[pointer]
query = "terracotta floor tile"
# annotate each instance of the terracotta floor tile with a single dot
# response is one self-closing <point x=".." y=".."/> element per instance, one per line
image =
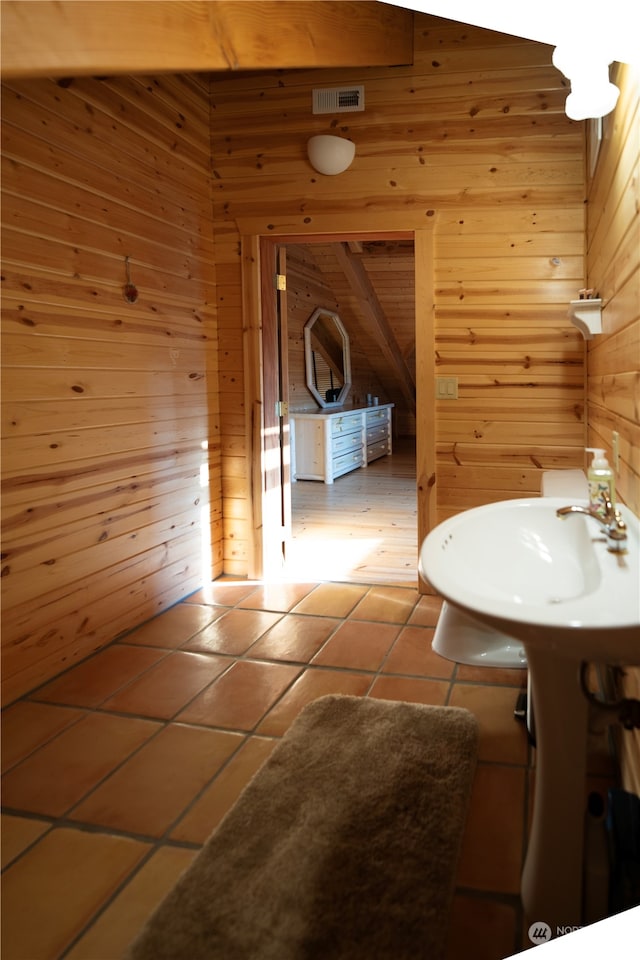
<point x="234" y="632"/>
<point x="18" y="833"/>
<point x="410" y="690"/>
<point x="492" y="928"/>
<point x="60" y="773"/>
<point x="312" y="684"/>
<point x="207" y="812"/>
<point x="277" y="596"/>
<point x="242" y="696"/>
<point x="224" y="593"/>
<point x="153" y="787"/>
<point x="511" y="678"/>
<point x="91" y="682"/>
<point x="388" y="604"/>
<point x="426" y="611"/>
<point x="412" y="655"/>
<point x="169" y="686"/>
<point x="174" y="627"/>
<point x="332" y="599"/>
<point x="492" y="846"/>
<point x="503" y="739"/>
<point x="358" y="645"/>
<point x="26" y="726"/>
<point x="51" y="892"/>
<point x="186" y="777"/>
<point x="115" y="929"/>
<point x="295" y="637"/>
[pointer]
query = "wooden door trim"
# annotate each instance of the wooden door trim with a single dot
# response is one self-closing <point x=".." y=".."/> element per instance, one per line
<point x="257" y="299"/>
<point x="252" y="365"/>
<point x="425" y="383"/>
<point x="285" y="427"/>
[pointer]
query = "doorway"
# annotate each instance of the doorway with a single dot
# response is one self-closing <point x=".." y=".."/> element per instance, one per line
<point x="362" y="527"/>
<point x="260" y="312"/>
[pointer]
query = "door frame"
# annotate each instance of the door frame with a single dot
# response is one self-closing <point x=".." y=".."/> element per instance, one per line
<point x="258" y="253"/>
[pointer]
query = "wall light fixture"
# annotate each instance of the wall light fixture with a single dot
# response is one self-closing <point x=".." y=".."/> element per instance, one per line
<point x="329" y="154"/>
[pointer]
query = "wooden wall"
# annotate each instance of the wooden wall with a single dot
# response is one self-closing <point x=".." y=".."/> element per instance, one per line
<point x="473" y="135"/>
<point x="613" y="265"/>
<point x="106" y="404"/>
<point x="613" y="262"/>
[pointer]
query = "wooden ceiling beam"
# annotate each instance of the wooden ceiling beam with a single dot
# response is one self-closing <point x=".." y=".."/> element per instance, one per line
<point x="380" y="327"/>
<point x="63" y="38"/>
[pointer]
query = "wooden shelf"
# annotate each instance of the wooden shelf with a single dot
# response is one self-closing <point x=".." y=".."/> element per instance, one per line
<point x="586" y="315"/>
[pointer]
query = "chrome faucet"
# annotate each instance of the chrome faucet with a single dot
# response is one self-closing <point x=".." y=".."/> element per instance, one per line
<point x="614" y="526"/>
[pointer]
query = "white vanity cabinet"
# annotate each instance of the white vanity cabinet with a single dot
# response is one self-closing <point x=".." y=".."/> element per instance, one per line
<point x="326" y="444"/>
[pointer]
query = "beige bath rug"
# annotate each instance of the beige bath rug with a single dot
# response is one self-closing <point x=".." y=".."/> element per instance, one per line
<point x="344" y="846"/>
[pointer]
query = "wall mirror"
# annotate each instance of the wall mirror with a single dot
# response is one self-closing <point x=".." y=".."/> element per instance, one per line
<point x="327" y="358"/>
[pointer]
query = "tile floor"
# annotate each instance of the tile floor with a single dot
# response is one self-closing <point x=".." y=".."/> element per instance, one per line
<point x="115" y="772"/>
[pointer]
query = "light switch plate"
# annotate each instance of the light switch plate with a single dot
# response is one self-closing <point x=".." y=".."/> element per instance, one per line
<point x="446" y="388"/>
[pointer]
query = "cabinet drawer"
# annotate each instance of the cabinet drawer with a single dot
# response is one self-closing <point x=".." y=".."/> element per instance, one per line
<point x="345" y="442"/>
<point x="377" y="416"/>
<point x="347" y="424"/>
<point x="348" y="461"/>
<point x="375" y="450"/>
<point x="377" y="432"/>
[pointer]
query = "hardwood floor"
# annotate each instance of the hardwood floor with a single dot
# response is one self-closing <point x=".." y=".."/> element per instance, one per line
<point x="362" y="528"/>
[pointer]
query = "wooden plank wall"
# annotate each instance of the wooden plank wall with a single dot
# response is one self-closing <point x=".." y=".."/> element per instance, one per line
<point x="306" y="290"/>
<point x="106" y="404"/>
<point x="613" y="261"/>
<point x="474" y="134"/>
<point x="613" y="264"/>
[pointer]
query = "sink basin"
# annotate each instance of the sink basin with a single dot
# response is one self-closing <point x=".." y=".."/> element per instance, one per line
<point x="550" y="581"/>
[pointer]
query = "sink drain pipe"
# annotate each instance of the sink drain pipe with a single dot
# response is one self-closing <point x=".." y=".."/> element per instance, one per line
<point x="624" y="710"/>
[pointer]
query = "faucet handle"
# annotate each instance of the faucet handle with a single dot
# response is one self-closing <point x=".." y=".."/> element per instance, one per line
<point x="611" y="515"/>
<point x="617" y="528"/>
<point x="619" y="524"/>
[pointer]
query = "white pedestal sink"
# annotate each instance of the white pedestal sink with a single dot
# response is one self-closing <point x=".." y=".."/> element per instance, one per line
<point x="553" y="584"/>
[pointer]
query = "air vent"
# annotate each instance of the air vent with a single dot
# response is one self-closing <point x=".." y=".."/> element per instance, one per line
<point x="338" y="99"/>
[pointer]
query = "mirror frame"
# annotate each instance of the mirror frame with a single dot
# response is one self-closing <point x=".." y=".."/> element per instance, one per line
<point x="318" y="314"/>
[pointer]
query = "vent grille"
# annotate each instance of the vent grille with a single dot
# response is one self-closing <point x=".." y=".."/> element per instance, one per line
<point x="338" y="99"/>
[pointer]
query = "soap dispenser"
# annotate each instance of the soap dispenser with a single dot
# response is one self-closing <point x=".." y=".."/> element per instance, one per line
<point x="601" y="482"/>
